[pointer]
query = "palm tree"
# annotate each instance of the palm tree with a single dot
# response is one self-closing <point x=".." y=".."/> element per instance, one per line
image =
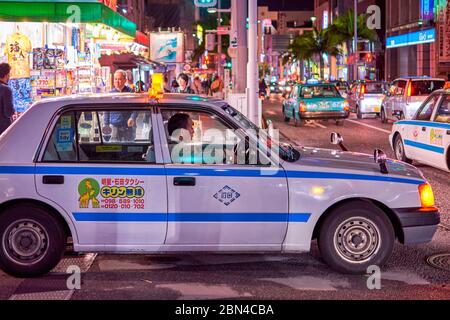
<point x="315" y="43"/>
<point x="343" y="28"/>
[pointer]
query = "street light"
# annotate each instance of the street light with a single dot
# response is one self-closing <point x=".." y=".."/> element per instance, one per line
<point x="313" y="19"/>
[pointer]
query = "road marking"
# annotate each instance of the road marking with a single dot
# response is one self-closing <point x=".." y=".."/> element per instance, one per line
<point x="369" y="126"/>
<point x="320" y="125"/>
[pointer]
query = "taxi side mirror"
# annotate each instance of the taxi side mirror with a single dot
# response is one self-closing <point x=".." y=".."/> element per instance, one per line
<point x="380" y="158"/>
<point x="336" y="138"/>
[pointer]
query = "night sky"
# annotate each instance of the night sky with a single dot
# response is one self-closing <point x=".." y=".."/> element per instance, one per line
<point x="289" y="5"/>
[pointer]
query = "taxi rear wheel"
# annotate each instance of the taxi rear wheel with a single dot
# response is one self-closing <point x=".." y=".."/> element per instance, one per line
<point x="298" y="121"/>
<point x="399" y="149"/>
<point x="359" y="114"/>
<point x="32" y="241"/>
<point x="355" y="236"/>
<point x="286" y="118"/>
<point x="383" y="116"/>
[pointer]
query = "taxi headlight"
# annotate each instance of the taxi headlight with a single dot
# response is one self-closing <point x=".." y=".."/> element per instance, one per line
<point x="426" y="195"/>
<point x="272" y="88"/>
<point x="288" y="89"/>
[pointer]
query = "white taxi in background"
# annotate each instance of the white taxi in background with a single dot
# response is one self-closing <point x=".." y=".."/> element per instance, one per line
<point x="125" y="173"/>
<point x="425" y="138"/>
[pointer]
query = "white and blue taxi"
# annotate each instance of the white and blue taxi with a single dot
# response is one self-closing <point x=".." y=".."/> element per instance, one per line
<point x="426" y="137"/>
<point x="122" y="173"/>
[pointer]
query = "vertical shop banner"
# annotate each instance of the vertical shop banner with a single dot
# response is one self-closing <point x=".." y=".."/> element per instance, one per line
<point x="427" y="9"/>
<point x="18" y="48"/>
<point x="444" y="34"/>
<point x="167" y="47"/>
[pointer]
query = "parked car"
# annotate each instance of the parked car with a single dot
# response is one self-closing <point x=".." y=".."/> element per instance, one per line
<point x="169" y="187"/>
<point x="366" y="97"/>
<point x="315" y="102"/>
<point x="406" y="95"/>
<point x="425" y="138"/>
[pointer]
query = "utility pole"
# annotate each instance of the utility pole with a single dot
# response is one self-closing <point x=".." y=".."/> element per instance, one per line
<point x="355" y="43"/>
<point x="252" y="66"/>
<point x="239" y="61"/>
<point x="219" y="42"/>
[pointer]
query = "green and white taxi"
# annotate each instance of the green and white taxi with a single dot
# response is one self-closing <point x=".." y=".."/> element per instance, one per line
<point x="122" y="173"/>
<point x="315" y="101"/>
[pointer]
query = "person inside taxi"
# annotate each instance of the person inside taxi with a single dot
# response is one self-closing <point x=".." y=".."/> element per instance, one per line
<point x="123" y="124"/>
<point x="181" y="131"/>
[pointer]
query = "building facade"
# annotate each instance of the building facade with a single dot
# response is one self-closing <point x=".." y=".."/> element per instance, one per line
<point x="277" y="29"/>
<point x="411" y="38"/>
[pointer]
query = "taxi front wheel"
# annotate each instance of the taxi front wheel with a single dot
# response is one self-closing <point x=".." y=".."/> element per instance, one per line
<point x="32" y="241"/>
<point x="354" y="236"/>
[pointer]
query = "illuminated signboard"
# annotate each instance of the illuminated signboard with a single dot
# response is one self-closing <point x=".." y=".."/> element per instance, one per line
<point x="409" y="39"/>
<point x="426" y="9"/>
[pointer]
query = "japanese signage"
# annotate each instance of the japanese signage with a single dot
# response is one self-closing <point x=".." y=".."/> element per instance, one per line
<point x="426" y="9"/>
<point x="18" y="48"/>
<point x="444" y="34"/>
<point x="112" y="193"/>
<point x="409" y="39"/>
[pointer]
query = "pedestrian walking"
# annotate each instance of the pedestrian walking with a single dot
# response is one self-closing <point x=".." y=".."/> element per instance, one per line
<point x="6" y="100"/>
<point x="217" y="87"/>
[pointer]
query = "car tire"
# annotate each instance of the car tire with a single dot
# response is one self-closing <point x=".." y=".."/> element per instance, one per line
<point x="32" y="241"/>
<point x="399" y="150"/>
<point x="286" y="119"/>
<point x="359" y="115"/>
<point x="383" y="117"/>
<point x="354" y="236"/>
<point x="298" y="121"/>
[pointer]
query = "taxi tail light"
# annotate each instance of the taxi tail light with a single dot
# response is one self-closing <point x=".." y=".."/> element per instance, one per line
<point x="363" y="92"/>
<point x="409" y="90"/>
<point x="302" y="106"/>
<point x="426" y="196"/>
<point x="346" y="106"/>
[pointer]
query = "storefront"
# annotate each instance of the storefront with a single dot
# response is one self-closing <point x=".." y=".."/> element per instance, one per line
<point x="53" y="46"/>
<point x="411" y="54"/>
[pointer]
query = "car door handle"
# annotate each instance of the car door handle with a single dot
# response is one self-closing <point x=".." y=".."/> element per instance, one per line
<point x="184" y="181"/>
<point x="53" y="179"/>
<point x="424" y="128"/>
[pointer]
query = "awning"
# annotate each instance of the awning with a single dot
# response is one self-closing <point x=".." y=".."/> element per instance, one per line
<point x="142" y="39"/>
<point x="61" y="12"/>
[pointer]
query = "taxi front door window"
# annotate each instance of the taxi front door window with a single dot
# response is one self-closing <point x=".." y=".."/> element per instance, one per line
<point x="197" y="137"/>
<point x="443" y="114"/>
<point x="425" y="113"/>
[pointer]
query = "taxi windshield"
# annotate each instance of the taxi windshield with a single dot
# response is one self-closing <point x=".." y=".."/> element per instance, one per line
<point x="240" y="118"/>
<point x="319" y="91"/>
<point x="286" y="152"/>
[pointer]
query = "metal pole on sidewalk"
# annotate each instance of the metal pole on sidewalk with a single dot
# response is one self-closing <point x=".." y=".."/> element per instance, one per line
<point x="355" y="43"/>
<point x="252" y="66"/>
<point x="219" y="42"/>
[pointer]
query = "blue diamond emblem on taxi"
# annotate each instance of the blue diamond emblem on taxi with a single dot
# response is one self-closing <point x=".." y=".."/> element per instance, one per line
<point x="226" y="195"/>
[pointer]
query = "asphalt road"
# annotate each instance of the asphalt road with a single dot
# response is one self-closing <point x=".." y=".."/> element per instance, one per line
<point x="271" y="277"/>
